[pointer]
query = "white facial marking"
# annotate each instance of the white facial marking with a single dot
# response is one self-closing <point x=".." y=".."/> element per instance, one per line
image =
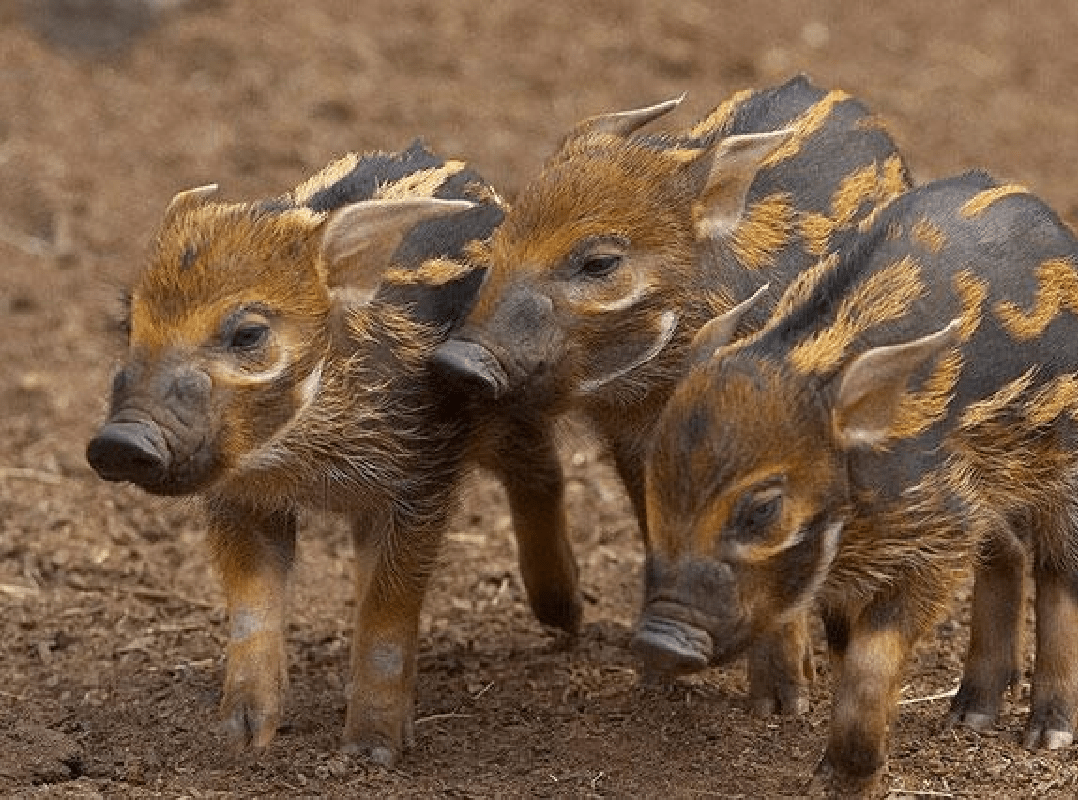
<point x="308" y="389"/>
<point x="831" y="536"/>
<point x="267" y="453"/>
<point x="667" y="326"/>
<point x="640" y="290"/>
<point x="265" y="376"/>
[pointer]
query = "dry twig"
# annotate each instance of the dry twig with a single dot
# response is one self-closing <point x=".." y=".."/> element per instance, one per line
<point x="436" y="717"/>
<point x="18" y="591"/>
<point x="929" y="698"/>
<point x="142" y="592"/>
<point x="26" y="474"/>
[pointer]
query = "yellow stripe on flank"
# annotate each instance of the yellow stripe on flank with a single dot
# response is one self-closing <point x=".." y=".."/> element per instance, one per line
<point x="972" y="291"/>
<point x="422" y="183"/>
<point x="683" y="155"/>
<point x="877" y="184"/>
<point x="1057" y="289"/>
<point x="858" y="187"/>
<point x="918" y="410"/>
<point x="1053" y="399"/>
<point x="984" y="411"/>
<point x="764" y="230"/>
<point x="884" y="296"/>
<point x="929" y="235"/>
<point x="802" y="286"/>
<point x="433" y="272"/>
<point x="325" y="178"/>
<point x="805" y="125"/>
<point x="816" y="230"/>
<point x="895" y="180"/>
<point x="718" y="120"/>
<point x="982" y="200"/>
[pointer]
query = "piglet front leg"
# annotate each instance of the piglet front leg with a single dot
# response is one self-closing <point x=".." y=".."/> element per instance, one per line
<point x="253" y="552"/>
<point x="391" y="578"/>
<point x="867" y="678"/>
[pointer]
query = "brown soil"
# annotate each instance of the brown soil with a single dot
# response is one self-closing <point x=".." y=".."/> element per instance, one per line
<point x="111" y="629"/>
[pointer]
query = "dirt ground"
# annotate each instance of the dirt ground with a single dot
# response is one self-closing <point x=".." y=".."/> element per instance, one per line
<point x="111" y="628"/>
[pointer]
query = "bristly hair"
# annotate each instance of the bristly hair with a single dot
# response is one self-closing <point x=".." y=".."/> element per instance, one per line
<point x="371" y="171"/>
<point x="852" y="252"/>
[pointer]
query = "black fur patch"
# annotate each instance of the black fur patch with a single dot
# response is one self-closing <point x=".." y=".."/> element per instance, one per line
<point x="443" y="304"/>
<point x="187" y="260"/>
<point x="373" y="170"/>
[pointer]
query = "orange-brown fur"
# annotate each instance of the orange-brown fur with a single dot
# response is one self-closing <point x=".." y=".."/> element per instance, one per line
<point x="694" y="228"/>
<point x="278" y="360"/>
<point x="894" y="398"/>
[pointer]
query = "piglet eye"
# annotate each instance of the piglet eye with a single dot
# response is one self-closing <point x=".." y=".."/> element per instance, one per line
<point x="758" y="512"/>
<point x="762" y="514"/>
<point x="599" y="266"/>
<point x="249" y="336"/>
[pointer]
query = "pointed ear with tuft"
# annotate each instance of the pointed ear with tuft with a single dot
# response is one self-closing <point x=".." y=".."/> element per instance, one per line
<point x="728" y="168"/>
<point x="720" y="330"/>
<point x="871" y="387"/>
<point x="622" y="123"/>
<point x="190" y="198"/>
<point x="360" y="239"/>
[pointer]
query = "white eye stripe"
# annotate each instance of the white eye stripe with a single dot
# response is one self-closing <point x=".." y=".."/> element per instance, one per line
<point x="307" y="395"/>
<point x="641" y="289"/>
<point x="754" y="553"/>
<point x="308" y="388"/>
<point x="831" y="536"/>
<point x="668" y="324"/>
<point x="272" y="373"/>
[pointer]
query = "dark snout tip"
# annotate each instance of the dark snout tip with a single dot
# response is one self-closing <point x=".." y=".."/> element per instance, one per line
<point x="128" y="451"/>
<point x="671" y="647"/>
<point x="470" y="365"/>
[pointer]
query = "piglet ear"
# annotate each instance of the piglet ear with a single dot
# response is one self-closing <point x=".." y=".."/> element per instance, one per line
<point x="190" y="198"/>
<point x="872" y="386"/>
<point x="359" y="240"/>
<point x="720" y="331"/>
<point x="622" y="123"/>
<point x="728" y="168"/>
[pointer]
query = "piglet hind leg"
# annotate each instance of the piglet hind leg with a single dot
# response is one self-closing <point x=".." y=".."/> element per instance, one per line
<point x="253" y="552"/>
<point x="390" y="583"/>
<point x="992" y="663"/>
<point x="1054" y="701"/>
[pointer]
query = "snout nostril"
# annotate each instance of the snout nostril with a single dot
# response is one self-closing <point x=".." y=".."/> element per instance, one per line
<point x="671" y="647"/>
<point x="469" y="365"/>
<point x="127" y="452"/>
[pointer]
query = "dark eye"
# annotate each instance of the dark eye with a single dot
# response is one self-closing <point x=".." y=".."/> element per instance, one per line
<point x="762" y="514"/>
<point x="759" y="512"/>
<point x="249" y="336"/>
<point x="599" y="266"/>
